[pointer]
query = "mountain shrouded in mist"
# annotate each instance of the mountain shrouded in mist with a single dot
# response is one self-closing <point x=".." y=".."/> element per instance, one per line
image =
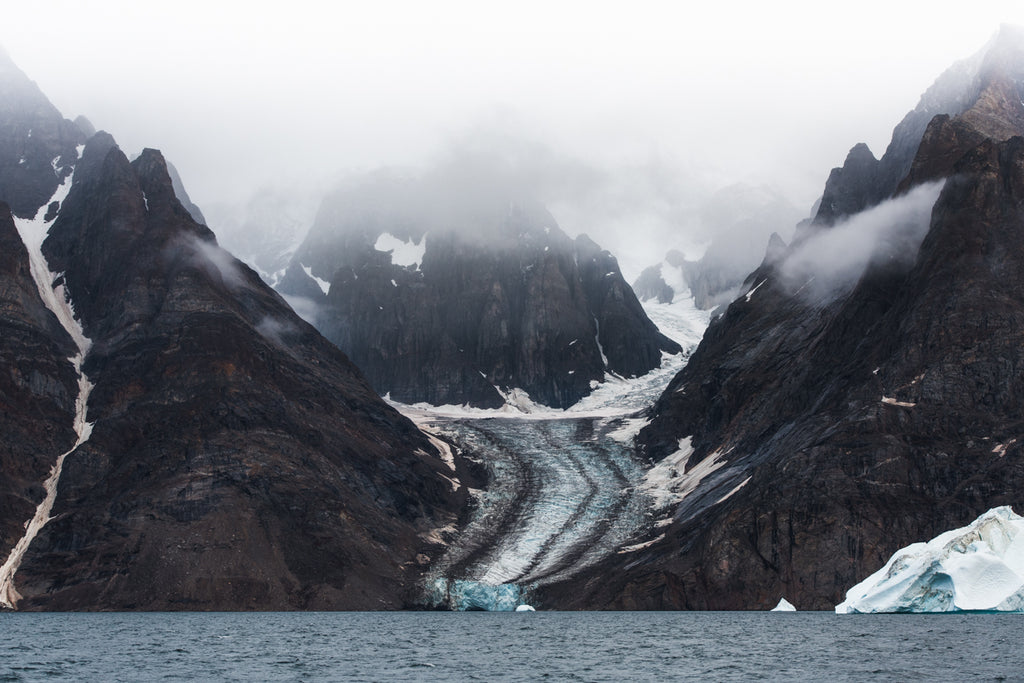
<point x="465" y="293"/>
<point x="227" y="455"/>
<point x="865" y="390"/>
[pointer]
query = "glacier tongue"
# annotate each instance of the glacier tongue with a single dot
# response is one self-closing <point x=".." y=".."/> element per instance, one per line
<point x="979" y="567"/>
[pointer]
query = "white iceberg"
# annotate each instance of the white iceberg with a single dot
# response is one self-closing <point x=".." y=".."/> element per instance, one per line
<point x="525" y="608"/>
<point x="979" y="568"/>
<point x="784" y="606"/>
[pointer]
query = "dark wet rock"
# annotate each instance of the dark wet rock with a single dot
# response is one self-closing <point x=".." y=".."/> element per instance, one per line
<point x="829" y="432"/>
<point x="238" y="459"/>
<point x="501" y="299"/>
<point x="651" y="285"/>
<point x="182" y="195"/>
<point x="37" y="388"/>
<point x="37" y="144"/>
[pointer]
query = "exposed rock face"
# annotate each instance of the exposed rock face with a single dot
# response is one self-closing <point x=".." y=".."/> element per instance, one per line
<point x="37" y="388"/>
<point x="35" y="140"/>
<point x="237" y="459"/>
<point x="830" y="428"/>
<point x="182" y="195"/>
<point x="461" y="307"/>
<point x="981" y="92"/>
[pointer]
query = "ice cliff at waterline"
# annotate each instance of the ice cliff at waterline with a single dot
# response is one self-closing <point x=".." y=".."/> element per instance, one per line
<point x="979" y="567"/>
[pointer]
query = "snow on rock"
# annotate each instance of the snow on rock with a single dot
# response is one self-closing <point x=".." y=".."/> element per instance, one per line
<point x="784" y="606"/>
<point x="403" y="253"/>
<point x="325" y="286"/>
<point x="669" y="482"/>
<point x="979" y="567"/>
<point x="33" y="232"/>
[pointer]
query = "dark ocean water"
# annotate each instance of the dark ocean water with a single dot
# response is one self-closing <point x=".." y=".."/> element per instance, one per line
<point x="604" y="646"/>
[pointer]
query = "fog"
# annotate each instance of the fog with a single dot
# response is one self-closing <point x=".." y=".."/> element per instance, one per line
<point x="830" y="262"/>
<point x="625" y="119"/>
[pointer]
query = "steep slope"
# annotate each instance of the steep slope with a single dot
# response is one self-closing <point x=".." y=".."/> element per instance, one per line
<point x="35" y="140"/>
<point x="465" y="301"/>
<point x="863" y="394"/>
<point x="37" y="387"/>
<point x="229" y="457"/>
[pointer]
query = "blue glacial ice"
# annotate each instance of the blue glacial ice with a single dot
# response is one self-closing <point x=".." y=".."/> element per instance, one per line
<point x="978" y="568"/>
<point x="465" y="595"/>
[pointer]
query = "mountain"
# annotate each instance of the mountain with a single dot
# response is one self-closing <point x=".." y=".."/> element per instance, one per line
<point x="218" y="452"/>
<point x="454" y="298"/>
<point x="739" y="221"/>
<point x="865" y="392"/>
<point x="265" y="230"/>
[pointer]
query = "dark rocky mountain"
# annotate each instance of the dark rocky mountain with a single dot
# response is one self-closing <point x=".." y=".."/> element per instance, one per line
<point x="35" y="140"/>
<point x="738" y="221"/>
<point x="237" y="459"/>
<point x="454" y="300"/>
<point x="817" y="429"/>
<point x="37" y="387"/>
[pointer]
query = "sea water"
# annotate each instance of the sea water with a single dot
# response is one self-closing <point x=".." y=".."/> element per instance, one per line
<point x="479" y="646"/>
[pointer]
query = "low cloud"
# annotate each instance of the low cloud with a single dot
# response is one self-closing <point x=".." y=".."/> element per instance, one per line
<point x="832" y="260"/>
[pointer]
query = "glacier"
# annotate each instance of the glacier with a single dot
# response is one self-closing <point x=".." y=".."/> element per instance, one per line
<point x="977" y="568"/>
<point x="566" y="488"/>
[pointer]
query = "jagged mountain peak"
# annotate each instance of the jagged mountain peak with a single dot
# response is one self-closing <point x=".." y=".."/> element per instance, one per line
<point x="242" y="458"/>
<point x="982" y="97"/>
<point x="816" y="430"/>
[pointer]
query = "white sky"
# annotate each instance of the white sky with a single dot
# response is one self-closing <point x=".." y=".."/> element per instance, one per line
<point x="241" y="94"/>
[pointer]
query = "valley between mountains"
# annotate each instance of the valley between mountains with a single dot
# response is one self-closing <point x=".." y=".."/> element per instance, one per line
<point x="435" y="398"/>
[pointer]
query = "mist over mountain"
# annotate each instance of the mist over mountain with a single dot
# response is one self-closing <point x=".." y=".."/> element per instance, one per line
<point x="735" y="225"/>
<point x="176" y="436"/>
<point x="809" y="437"/>
<point x="458" y="287"/>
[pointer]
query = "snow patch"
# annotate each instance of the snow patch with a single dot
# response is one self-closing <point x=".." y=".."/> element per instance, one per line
<point x="325" y="286"/>
<point x="893" y="402"/>
<point x="668" y="482"/>
<point x="979" y="567"/>
<point x="729" y="495"/>
<point x="751" y="292"/>
<point x="403" y="253"/>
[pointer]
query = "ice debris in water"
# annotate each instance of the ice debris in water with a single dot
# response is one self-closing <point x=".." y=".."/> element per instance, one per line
<point x="464" y="595"/>
<point x="784" y="606"/>
<point x="979" y="567"/>
<point x="525" y="608"/>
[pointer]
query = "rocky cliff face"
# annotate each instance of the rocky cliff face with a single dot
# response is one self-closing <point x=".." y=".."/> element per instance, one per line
<point x="463" y="305"/>
<point x="37" y="387"/>
<point x="821" y="426"/>
<point x="237" y="459"/>
<point x="35" y="140"/>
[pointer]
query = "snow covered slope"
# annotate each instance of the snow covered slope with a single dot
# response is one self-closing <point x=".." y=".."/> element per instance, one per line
<point x="979" y="567"/>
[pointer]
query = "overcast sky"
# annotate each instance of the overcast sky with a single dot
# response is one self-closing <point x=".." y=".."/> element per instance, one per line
<point x="239" y="95"/>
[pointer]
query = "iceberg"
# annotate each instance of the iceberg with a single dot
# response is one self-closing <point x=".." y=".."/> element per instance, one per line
<point x="978" y="568"/>
<point x="525" y="608"/>
<point x="784" y="606"/>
